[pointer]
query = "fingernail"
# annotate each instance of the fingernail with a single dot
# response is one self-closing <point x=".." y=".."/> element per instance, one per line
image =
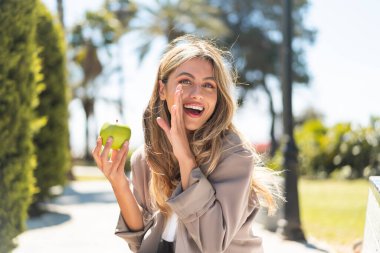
<point x="109" y="139"/>
<point x="125" y="144"/>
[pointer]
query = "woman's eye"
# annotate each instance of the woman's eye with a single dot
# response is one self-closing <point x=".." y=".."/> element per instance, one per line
<point x="208" y="85"/>
<point x="185" y="82"/>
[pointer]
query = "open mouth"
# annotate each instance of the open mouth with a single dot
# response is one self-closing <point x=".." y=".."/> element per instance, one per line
<point x="193" y="110"/>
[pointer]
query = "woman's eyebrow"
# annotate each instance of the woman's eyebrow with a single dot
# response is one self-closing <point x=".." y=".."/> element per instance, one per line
<point x="210" y="78"/>
<point x="186" y="74"/>
<point x="191" y="76"/>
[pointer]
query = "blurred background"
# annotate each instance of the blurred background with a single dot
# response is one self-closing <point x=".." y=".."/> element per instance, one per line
<point x="337" y="52"/>
<point x="69" y="66"/>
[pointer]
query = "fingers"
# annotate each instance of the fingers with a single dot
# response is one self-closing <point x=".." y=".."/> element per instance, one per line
<point x="106" y="151"/>
<point x="121" y="156"/>
<point x="112" y="168"/>
<point x="177" y="109"/>
<point x="96" y="152"/>
<point x="123" y="160"/>
<point x="164" y="126"/>
<point x="114" y="154"/>
<point x="176" y="115"/>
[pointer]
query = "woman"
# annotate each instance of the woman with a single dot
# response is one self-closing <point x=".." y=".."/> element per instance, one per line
<point x="193" y="187"/>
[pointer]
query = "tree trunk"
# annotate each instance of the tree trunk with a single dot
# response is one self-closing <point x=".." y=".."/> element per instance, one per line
<point x="60" y="12"/>
<point x="290" y="227"/>
<point x="88" y="106"/>
<point x="274" y="144"/>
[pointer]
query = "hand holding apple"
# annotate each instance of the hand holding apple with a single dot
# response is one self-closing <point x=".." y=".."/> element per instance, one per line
<point x="119" y="134"/>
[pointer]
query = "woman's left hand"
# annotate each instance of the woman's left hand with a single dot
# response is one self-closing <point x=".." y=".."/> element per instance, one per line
<point x="178" y="137"/>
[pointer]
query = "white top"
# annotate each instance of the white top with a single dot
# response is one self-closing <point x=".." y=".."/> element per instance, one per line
<point x="170" y="228"/>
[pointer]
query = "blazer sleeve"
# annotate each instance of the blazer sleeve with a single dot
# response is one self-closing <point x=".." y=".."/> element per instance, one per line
<point x="139" y="188"/>
<point x="214" y="209"/>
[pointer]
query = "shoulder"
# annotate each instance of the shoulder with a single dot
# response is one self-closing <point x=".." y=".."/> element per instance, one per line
<point x="236" y="159"/>
<point x="234" y="144"/>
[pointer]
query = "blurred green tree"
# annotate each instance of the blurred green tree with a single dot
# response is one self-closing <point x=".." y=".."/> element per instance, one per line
<point x="60" y="11"/>
<point x="98" y="34"/>
<point x="373" y="139"/>
<point x="171" y="19"/>
<point x="20" y="84"/>
<point x="357" y="153"/>
<point x="102" y="30"/>
<point x="256" y="37"/>
<point x="342" y="150"/>
<point x="52" y="140"/>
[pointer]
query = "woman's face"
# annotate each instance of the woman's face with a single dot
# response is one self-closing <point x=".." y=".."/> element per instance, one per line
<point x="199" y="91"/>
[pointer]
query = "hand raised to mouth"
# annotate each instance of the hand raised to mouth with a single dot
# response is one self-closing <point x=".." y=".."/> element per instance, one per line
<point x="177" y="136"/>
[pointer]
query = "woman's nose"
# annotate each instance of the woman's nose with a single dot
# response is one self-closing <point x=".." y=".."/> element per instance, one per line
<point x="196" y="92"/>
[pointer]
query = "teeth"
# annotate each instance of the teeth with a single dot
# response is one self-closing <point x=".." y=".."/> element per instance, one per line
<point x="195" y="107"/>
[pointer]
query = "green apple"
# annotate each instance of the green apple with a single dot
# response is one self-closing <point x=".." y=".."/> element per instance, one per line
<point x="119" y="133"/>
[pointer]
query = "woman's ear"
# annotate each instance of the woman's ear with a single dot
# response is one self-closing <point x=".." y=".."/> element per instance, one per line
<point x="162" y="90"/>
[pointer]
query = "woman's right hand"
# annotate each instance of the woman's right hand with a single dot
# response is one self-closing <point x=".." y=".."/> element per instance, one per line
<point x="113" y="169"/>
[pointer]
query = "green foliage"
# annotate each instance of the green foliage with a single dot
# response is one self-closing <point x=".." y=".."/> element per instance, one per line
<point x="99" y="33"/>
<point x="19" y="67"/>
<point x="256" y="39"/>
<point x="312" y="140"/>
<point x="339" y="151"/>
<point x="52" y="140"/>
<point x="171" y="19"/>
<point x="359" y="151"/>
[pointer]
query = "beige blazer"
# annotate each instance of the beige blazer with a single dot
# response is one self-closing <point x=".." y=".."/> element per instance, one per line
<point x="215" y="213"/>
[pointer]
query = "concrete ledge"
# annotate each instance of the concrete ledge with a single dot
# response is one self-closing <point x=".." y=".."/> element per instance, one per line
<point x="371" y="242"/>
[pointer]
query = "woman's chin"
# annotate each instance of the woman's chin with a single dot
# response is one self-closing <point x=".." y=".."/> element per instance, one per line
<point x="191" y="127"/>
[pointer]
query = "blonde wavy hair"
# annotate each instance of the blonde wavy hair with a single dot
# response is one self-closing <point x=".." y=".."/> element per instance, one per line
<point x="205" y="142"/>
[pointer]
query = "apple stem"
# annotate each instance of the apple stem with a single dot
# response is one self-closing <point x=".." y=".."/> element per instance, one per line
<point x="117" y="121"/>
